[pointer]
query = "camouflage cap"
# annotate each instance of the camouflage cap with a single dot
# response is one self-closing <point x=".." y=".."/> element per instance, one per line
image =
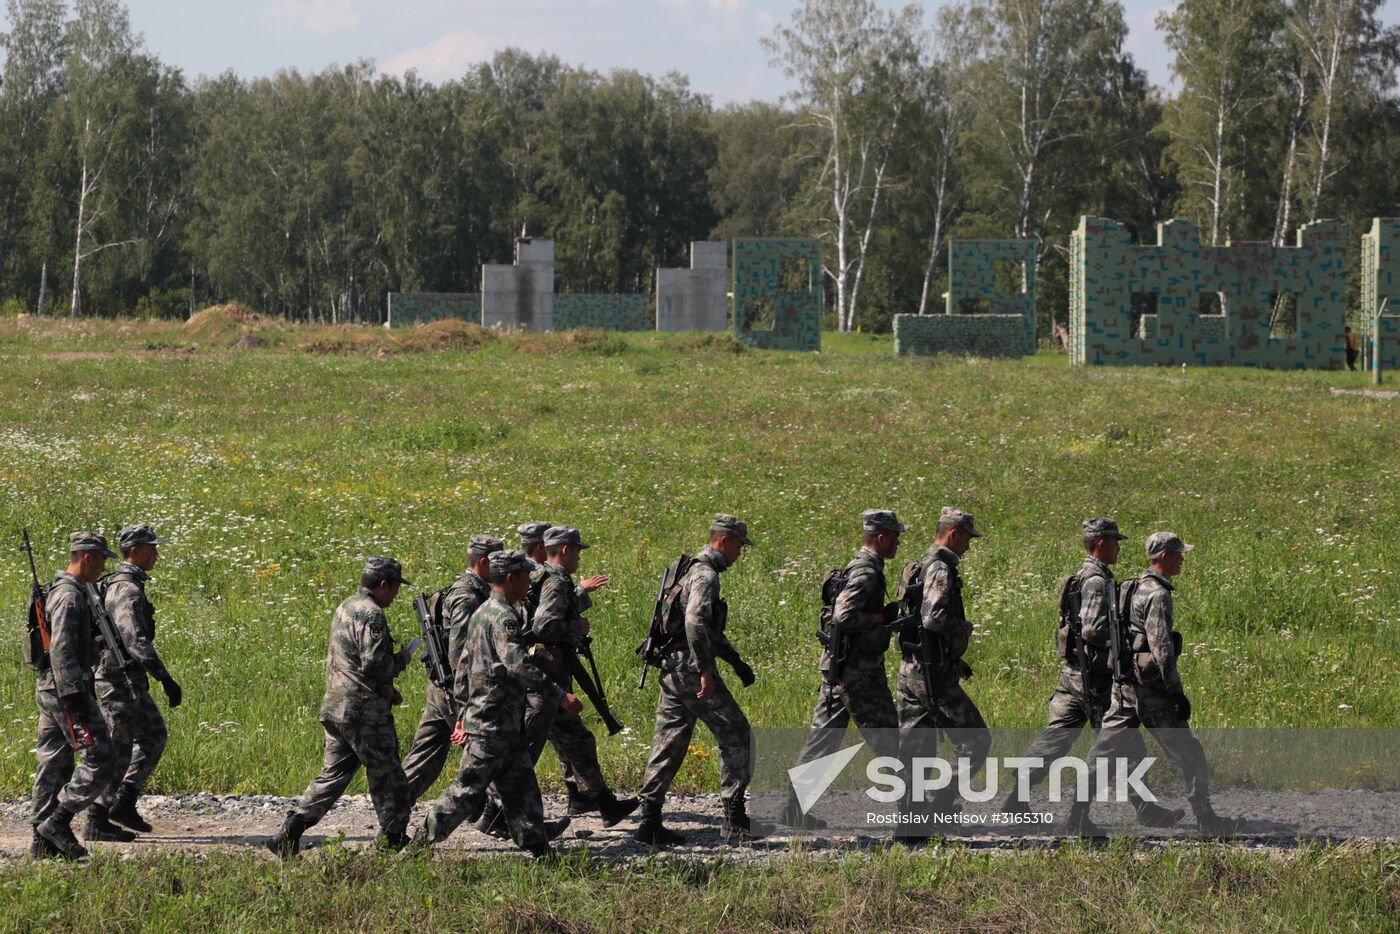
<point x="89" y="541"/>
<point x="386" y="569"/>
<point x="1159" y="543"/>
<point x="881" y="520"/>
<point x="958" y="519"/>
<point x="558" y="535"/>
<point x="508" y="561"/>
<point x="1102" y="528"/>
<point x="728" y="525"/>
<point x="483" y="545"/>
<point x="134" y="535"/>
<point x="532" y="532"/>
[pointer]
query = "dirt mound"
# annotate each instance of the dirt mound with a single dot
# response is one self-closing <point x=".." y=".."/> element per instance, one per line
<point x="448" y="334"/>
<point x="706" y="343"/>
<point x="582" y="341"/>
<point x="347" y="339"/>
<point x="227" y="325"/>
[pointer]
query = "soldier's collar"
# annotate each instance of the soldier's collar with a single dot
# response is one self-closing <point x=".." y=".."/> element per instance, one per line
<point x="1158" y="578"/>
<point x="132" y="570"/>
<point x="716" y="560"/>
<point x="871" y="552"/>
<point x="944" y="553"/>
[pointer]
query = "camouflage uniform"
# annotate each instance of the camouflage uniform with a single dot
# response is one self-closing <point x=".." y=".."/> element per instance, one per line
<point x="137" y="728"/>
<point x="1071" y="709"/>
<point x="1156" y="700"/>
<point x="952" y="711"/>
<point x="678" y="708"/>
<point x="861" y="692"/>
<point x="65" y="689"/>
<point x="557" y="622"/>
<point x="501" y="667"/>
<point x="432" y="741"/>
<point x="357" y="715"/>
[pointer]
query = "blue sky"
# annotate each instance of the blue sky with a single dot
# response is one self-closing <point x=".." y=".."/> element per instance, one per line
<point x="714" y="42"/>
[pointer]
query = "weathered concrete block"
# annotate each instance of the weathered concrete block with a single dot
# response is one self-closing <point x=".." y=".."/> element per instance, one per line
<point x="520" y="297"/>
<point x="695" y="299"/>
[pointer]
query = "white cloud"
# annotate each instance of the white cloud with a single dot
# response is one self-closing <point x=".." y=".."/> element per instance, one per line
<point x="443" y="59"/>
<point x="298" y="18"/>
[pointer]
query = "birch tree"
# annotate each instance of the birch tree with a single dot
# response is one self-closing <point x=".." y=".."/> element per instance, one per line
<point x="855" y="66"/>
<point x="100" y="49"/>
<point x="1226" y="59"/>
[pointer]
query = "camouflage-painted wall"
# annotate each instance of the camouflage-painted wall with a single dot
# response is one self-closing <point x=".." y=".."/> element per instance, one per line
<point x="759" y="289"/>
<point x="972" y="274"/>
<point x="977" y="335"/>
<point x="1107" y="270"/>
<point x="1380" y="294"/>
<point x="409" y="308"/>
<point x="604" y="312"/>
<point x="1209" y="327"/>
<point x="1008" y="327"/>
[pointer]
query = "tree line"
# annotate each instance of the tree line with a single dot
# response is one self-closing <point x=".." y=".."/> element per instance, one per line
<point x="128" y="188"/>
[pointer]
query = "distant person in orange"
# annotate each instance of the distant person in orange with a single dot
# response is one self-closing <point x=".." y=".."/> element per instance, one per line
<point x="1353" y="348"/>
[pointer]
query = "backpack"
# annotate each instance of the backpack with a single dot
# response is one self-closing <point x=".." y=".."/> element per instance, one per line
<point x="832" y="584"/>
<point x="674" y="578"/>
<point x="1071" y="602"/>
<point x="35" y="655"/>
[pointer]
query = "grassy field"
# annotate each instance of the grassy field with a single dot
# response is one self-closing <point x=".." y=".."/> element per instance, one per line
<point x="1117" y="889"/>
<point x="274" y="470"/>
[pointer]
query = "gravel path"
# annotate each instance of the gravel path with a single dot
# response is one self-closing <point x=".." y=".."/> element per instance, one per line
<point x="200" y="823"/>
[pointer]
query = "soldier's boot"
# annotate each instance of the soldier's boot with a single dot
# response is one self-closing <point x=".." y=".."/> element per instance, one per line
<point x="542" y="851"/>
<point x="612" y="808"/>
<point x="123" y="811"/>
<point x="653" y="833"/>
<point x="492" y="822"/>
<point x="287" y="843"/>
<point x="794" y="817"/>
<point x="39" y="848"/>
<point x="580" y="802"/>
<point x="391" y="843"/>
<point x="1152" y="814"/>
<point x="425" y="838"/>
<point x="99" y="829"/>
<point x="553" y="828"/>
<point x="736" y="828"/>
<point x="1077" y="822"/>
<point x="1211" y="824"/>
<point x="58" y="831"/>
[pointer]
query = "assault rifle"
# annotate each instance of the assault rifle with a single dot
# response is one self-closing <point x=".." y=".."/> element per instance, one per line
<point x="41" y="638"/>
<point x="434" y="650"/>
<point x="656" y="642"/>
<point x="932" y="650"/>
<point x="591" y="686"/>
<point x="1122" y="674"/>
<point x="107" y="632"/>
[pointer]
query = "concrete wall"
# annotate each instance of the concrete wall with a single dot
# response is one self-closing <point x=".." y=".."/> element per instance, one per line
<point x="977" y="335"/>
<point x="695" y="299"/>
<point x="1380" y="295"/>
<point x="407" y="309"/>
<point x="520" y="297"/>
<point x="1208" y="327"/>
<point x="1107" y="269"/>
<point x="603" y="312"/>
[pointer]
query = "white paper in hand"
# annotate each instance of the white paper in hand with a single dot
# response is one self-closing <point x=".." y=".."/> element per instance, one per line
<point x="412" y="646"/>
